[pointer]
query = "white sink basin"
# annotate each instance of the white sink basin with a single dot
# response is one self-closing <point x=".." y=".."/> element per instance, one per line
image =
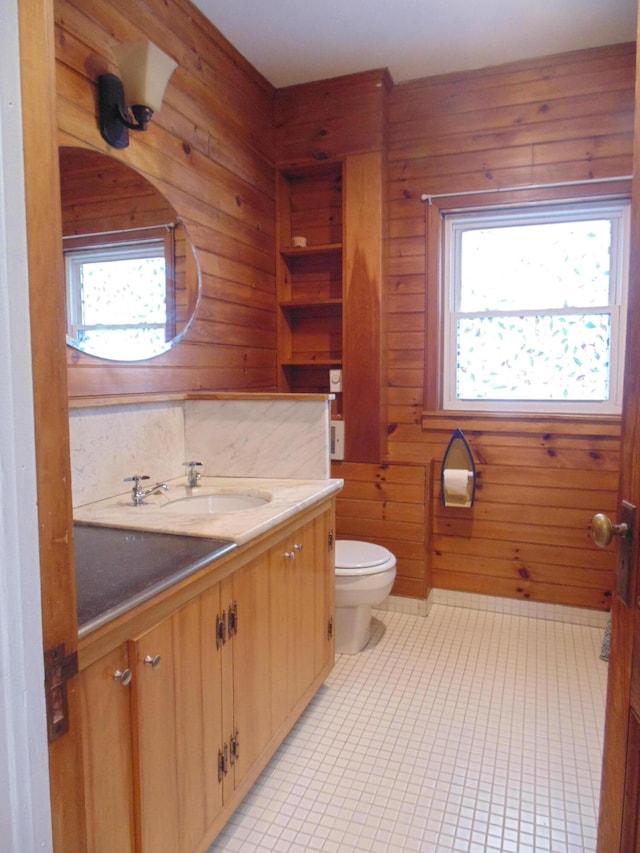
<point x="211" y="504"/>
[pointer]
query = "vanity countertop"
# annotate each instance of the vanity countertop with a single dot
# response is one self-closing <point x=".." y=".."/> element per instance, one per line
<point x="117" y="569"/>
<point x="284" y="499"/>
<point x="125" y="554"/>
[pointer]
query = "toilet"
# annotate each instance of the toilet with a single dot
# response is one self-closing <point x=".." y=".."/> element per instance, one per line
<point x="364" y="577"/>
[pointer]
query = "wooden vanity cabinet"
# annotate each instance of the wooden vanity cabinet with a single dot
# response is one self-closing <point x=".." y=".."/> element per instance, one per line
<point x="215" y="685"/>
<point x="247" y="668"/>
<point x="105" y="707"/>
<point x="302" y="596"/>
<point x="177" y="726"/>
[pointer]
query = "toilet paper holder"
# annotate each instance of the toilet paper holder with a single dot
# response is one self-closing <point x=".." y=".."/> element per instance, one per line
<point x="458" y="473"/>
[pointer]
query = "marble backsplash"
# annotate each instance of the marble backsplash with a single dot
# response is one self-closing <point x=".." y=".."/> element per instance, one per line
<point x="280" y="437"/>
<point x="266" y="438"/>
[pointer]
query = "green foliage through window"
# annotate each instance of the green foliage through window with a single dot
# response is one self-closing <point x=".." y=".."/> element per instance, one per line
<point x="537" y="307"/>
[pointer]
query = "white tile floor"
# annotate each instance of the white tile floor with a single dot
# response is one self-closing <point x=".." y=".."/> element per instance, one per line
<point x="461" y="731"/>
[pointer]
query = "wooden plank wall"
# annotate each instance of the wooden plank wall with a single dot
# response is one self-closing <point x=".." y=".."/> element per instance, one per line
<point x="527" y="536"/>
<point x="564" y="118"/>
<point x="210" y="151"/>
<point x="388" y="504"/>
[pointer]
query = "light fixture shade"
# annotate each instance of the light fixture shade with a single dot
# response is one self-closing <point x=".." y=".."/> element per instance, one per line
<point x="145" y="71"/>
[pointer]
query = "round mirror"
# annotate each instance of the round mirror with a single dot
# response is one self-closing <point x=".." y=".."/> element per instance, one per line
<point x="132" y="277"/>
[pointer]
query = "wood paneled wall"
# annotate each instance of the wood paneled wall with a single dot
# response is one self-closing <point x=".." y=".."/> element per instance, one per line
<point x="210" y="151"/>
<point x="555" y="119"/>
<point x="329" y="119"/>
<point x="388" y="504"/>
<point x="539" y="483"/>
<point x="564" y="118"/>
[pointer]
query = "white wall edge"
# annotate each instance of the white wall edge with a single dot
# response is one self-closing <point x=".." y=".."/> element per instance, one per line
<point x="25" y="813"/>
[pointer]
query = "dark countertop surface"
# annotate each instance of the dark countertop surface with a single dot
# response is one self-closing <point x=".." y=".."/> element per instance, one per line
<point x="117" y="569"/>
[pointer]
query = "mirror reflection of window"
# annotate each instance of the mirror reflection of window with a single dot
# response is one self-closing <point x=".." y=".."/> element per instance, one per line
<point x="121" y="292"/>
<point x="114" y="218"/>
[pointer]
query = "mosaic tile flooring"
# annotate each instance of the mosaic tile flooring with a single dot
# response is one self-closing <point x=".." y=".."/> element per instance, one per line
<point x="464" y="731"/>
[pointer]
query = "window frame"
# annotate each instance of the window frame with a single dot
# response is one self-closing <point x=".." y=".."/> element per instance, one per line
<point x="134" y="243"/>
<point x="455" y="221"/>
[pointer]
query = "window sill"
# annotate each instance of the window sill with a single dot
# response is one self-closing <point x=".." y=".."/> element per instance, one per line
<point x="501" y="422"/>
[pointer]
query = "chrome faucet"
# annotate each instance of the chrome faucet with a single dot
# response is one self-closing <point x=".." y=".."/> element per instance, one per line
<point x="192" y="475"/>
<point x="138" y="494"/>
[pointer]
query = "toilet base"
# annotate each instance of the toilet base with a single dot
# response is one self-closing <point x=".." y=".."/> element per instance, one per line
<point x="353" y="629"/>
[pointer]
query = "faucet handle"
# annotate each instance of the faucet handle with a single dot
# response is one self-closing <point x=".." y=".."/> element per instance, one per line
<point x="192" y="475"/>
<point x="136" y="478"/>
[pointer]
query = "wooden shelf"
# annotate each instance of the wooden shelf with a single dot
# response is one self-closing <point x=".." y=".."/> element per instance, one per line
<point x="312" y="362"/>
<point x="330" y="291"/>
<point x="306" y="251"/>
<point x="319" y="306"/>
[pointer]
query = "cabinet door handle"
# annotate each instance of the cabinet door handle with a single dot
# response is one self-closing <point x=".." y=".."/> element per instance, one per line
<point x="153" y="661"/>
<point x="123" y="676"/>
<point x="289" y="555"/>
<point x="298" y="547"/>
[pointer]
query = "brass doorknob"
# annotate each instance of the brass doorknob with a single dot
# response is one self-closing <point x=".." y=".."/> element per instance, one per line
<point x="603" y="530"/>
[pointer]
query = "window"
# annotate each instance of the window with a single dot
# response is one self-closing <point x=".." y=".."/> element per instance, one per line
<point x="118" y="296"/>
<point x="536" y="308"/>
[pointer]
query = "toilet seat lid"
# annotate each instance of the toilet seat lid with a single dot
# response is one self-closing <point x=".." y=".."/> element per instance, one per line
<point x="351" y="554"/>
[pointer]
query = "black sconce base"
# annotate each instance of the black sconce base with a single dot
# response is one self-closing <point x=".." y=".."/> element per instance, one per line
<point x="112" y="109"/>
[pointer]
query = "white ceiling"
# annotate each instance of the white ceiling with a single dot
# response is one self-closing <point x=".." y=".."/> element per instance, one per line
<point x="294" y="41"/>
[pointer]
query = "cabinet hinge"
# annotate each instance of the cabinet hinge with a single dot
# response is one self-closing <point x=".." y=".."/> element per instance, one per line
<point x="221" y="630"/>
<point x="233" y="619"/>
<point x="330" y="628"/>
<point x="223" y="762"/>
<point x="234" y="747"/>
<point x="330" y="540"/>
<point x="58" y="669"/>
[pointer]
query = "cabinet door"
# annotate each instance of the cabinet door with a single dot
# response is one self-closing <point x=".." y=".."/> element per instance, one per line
<point x="155" y="747"/>
<point x="304" y="620"/>
<point x="281" y="576"/>
<point x="178" y="726"/>
<point x="325" y="586"/>
<point x="247" y="596"/>
<point x="302" y="593"/>
<point x="198" y="716"/>
<point x="315" y="593"/>
<point x="106" y="745"/>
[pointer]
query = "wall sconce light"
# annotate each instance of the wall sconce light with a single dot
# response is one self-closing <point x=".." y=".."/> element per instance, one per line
<point x="145" y="71"/>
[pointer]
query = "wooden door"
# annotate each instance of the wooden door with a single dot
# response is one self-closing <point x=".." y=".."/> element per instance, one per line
<point x="198" y="717"/>
<point x="621" y="767"/>
<point x="324" y="574"/>
<point x="105" y="705"/>
<point x="307" y="606"/>
<point x="246" y="594"/>
<point x="51" y="417"/>
<point x="280" y="606"/>
<point x="301" y="603"/>
<point x="154" y="739"/>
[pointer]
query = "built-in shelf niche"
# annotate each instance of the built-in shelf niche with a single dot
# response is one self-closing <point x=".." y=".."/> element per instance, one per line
<point x="310" y="278"/>
<point x="330" y="291"/>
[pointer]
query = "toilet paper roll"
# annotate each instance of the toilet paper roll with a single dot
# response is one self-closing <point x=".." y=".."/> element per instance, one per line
<point x="456" y="485"/>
